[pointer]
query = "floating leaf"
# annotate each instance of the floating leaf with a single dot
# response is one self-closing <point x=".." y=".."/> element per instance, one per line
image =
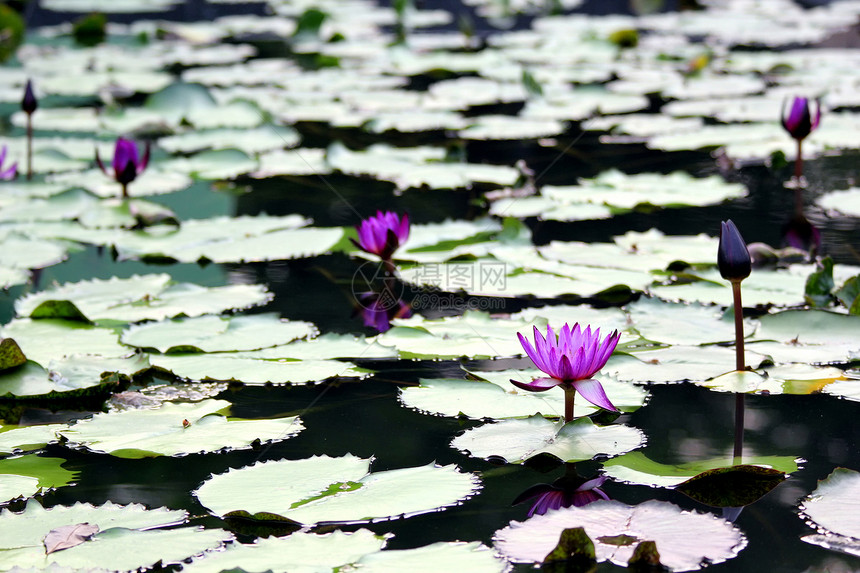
<point x="176" y="429"/>
<point x="685" y="539"/>
<point x="732" y="486"/>
<point x="324" y="489"/>
<point x="10" y="354"/>
<point x="126" y="540"/>
<point x="518" y="440"/>
<point x="24" y="438"/>
<point x="14" y="486"/>
<point x="833" y="510"/>
<point x="255" y="371"/>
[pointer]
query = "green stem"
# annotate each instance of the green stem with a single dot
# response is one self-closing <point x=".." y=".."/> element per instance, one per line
<point x="798" y="162"/>
<point x="125" y="191"/>
<point x="569" y="395"/>
<point x="739" y="326"/>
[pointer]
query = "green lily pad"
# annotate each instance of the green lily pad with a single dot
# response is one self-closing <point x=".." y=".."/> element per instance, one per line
<point x="15" y="486"/>
<point x="72" y="376"/>
<point x="819" y="336"/>
<point x="250" y="141"/>
<point x="176" y="429"/>
<point x="126" y="541"/>
<point x="15" y="439"/>
<point x="675" y="364"/>
<point x="492" y="395"/>
<point x="732" y="486"/>
<point x="324" y="489"/>
<point x="255" y="371"/>
<point x="216" y="333"/>
<point x="326" y="347"/>
<point x="846" y="202"/>
<point x="45" y="339"/>
<point x="637" y="468"/>
<point x="213" y="164"/>
<point x="687" y="324"/>
<point x="10" y="354"/>
<point x="146" y="297"/>
<point x="685" y="539"/>
<point x="48" y="472"/>
<point x="518" y="440"/>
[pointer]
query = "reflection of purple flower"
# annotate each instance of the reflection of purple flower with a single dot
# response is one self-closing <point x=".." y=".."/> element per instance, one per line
<point x="10" y="172"/>
<point x="126" y="164"/>
<point x="382" y="234"/>
<point x="378" y="311"/>
<point x="802" y="117"/>
<point x="570" y="359"/>
<point x="548" y="497"/>
<point x="801" y="234"/>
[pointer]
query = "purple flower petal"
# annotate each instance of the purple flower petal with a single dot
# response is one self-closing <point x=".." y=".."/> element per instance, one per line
<point x="592" y="391"/>
<point x="537" y="385"/>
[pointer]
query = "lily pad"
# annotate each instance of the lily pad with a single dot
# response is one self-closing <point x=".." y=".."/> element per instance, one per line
<point x="48" y="472"/>
<point x="15" y="439"/>
<point x="832" y="509"/>
<point x="324" y="489"/>
<point x="685" y="539"/>
<point x="255" y="371"/>
<point x="515" y="441"/>
<point x="216" y="333"/>
<point x="176" y="429"/>
<point x="127" y="539"/>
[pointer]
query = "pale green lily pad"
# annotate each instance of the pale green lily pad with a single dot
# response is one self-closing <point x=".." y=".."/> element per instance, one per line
<point x="254" y="371"/>
<point x="11" y="277"/>
<point x="325" y="347"/>
<point x="217" y="333"/>
<point x="473" y="557"/>
<point x="642" y="124"/>
<point x="582" y="103"/>
<point x="14" y="486"/>
<point x="176" y="429"/>
<point x="251" y="141"/>
<point x="146" y="297"/>
<point x="515" y="441"/>
<point x="622" y="191"/>
<point x="154" y="181"/>
<point x="45" y="339"/>
<point x="126" y="541"/>
<point x="213" y="164"/>
<point x="295" y="162"/>
<point x="274" y="246"/>
<point x="324" y="489"/>
<point x="505" y="127"/>
<point x="153" y="395"/>
<point x="25" y="253"/>
<point x="77" y="83"/>
<point x="417" y="167"/>
<point x="65" y="376"/>
<point x="846" y="202"/>
<point x="606" y="319"/>
<point x="675" y="364"/>
<point x="788" y="379"/>
<point x="688" y="324"/>
<point x="548" y="209"/>
<point x="493" y="396"/>
<point x="685" y="539"/>
<point x="832" y="509"/>
<point x="109" y="6"/>
<point x="637" y="468"/>
<point x="474" y="334"/>
<point x="414" y="121"/>
<point x="15" y="439"/>
<point x="817" y="336"/>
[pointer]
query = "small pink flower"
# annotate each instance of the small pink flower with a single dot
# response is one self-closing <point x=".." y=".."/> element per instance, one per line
<point x="382" y="234"/>
<point x="570" y="359"/>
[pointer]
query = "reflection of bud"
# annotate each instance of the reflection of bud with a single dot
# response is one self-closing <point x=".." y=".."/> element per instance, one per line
<point x="378" y="310"/>
<point x="564" y="492"/>
<point x="801" y="234"/>
<point x="733" y="258"/>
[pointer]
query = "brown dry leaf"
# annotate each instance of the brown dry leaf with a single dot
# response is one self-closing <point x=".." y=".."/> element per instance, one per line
<point x="68" y="536"/>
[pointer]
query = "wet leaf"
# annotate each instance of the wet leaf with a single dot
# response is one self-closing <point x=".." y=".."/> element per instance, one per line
<point x="10" y="354"/>
<point x="733" y="486"/>
<point x="68" y="536"/>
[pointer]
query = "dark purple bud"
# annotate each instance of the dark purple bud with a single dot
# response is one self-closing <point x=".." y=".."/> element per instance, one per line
<point x="802" y="117"/>
<point x="733" y="257"/>
<point x="29" y="103"/>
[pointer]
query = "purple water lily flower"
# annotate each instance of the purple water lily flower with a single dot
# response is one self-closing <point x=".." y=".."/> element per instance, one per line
<point x="126" y="163"/>
<point x="556" y="496"/>
<point x="382" y="234"/>
<point x="378" y="311"/>
<point x="733" y="257"/>
<point x="802" y="117"/>
<point x="570" y="359"/>
<point x="10" y="172"/>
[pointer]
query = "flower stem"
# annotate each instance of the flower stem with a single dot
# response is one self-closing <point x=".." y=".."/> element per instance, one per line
<point x="739" y="428"/>
<point x="798" y="162"/>
<point x="569" y="395"/>
<point x="29" y="146"/>
<point x="125" y="190"/>
<point x="739" y="326"/>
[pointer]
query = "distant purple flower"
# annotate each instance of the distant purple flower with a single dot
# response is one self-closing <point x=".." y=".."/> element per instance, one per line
<point x="126" y="163"/>
<point x="10" y="172"/>
<point x="570" y="359"/>
<point x="382" y="234"/>
<point x="29" y="103"/>
<point x="563" y="494"/>
<point x="802" y="117"/>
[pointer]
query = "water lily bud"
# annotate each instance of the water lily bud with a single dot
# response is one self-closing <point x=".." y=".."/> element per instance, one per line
<point x="29" y="102"/>
<point x="802" y="117"/>
<point x="733" y="258"/>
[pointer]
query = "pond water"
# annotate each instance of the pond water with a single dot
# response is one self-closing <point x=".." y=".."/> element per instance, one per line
<point x="681" y="421"/>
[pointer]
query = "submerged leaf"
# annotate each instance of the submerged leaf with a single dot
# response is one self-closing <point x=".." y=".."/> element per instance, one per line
<point x="733" y="486"/>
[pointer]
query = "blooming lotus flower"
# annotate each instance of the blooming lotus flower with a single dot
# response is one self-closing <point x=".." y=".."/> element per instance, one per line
<point x="733" y="257"/>
<point x="126" y="164"/>
<point x="802" y="117"/>
<point x="561" y="494"/>
<point x="570" y="359"/>
<point x="10" y="172"/>
<point x="382" y="234"/>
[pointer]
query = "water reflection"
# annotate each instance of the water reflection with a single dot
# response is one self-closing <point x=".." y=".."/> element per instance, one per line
<point x="570" y="490"/>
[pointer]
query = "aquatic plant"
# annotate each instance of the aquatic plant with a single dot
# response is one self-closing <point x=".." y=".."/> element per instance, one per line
<point x="382" y="234"/>
<point x="127" y="165"/>
<point x="10" y="172"/>
<point x="570" y="358"/>
<point x="28" y="106"/>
